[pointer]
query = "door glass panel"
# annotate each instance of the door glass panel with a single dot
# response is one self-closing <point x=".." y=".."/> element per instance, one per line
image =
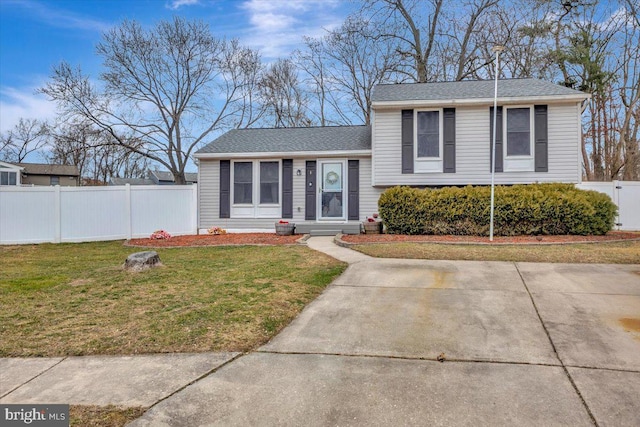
<point x="332" y="195"/>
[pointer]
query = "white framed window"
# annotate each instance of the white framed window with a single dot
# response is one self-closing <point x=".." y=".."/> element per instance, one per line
<point x="428" y="139"/>
<point x="243" y="183"/>
<point x="8" y="178"/>
<point x="518" y="135"/>
<point x="256" y="186"/>
<point x="269" y="183"/>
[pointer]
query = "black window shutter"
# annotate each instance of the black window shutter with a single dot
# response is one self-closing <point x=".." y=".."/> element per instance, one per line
<point x="287" y="188"/>
<point x="449" y="137"/>
<point x="310" y="190"/>
<point x="407" y="141"/>
<point x="499" y="150"/>
<point x="225" y="186"/>
<point x="541" y="151"/>
<point x="354" y="189"/>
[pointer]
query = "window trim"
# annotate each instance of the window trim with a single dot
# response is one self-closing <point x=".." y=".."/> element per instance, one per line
<point x="9" y="173"/>
<point x="255" y="209"/>
<point x="505" y="133"/>
<point x="233" y="184"/>
<point x="518" y="163"/>
<point x="428" y="164"/>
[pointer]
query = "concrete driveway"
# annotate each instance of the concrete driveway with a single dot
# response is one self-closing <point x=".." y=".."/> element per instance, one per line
<point x="408" y="342"/>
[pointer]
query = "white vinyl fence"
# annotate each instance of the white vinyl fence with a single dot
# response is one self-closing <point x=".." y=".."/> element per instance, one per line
<point x="81" y="214"/>
<point x="626" y="195"/>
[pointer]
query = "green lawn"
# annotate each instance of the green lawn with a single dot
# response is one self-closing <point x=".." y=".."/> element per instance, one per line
<point x="592" y="253"/>
<point x="76" y="299"/>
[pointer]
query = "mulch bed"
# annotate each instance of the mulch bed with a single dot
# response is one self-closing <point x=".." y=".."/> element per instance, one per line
<point x="217" y="240"/>
<point x="397" y="238"/>
<point x="274" y="239"/>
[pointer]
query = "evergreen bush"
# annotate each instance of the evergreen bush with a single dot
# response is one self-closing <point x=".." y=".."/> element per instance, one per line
<point x="531" y="209"/>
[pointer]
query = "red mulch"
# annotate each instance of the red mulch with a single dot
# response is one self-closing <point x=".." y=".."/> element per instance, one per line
<point x="215" y="240"/>
<point x="396" y="238"/>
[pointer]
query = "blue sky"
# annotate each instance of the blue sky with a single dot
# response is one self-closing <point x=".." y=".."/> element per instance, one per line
<point x="37" y="34"/>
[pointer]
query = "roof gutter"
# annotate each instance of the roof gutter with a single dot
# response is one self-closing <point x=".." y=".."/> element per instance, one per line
<point x="284" y="154"/>
<point x="481" y="101"/>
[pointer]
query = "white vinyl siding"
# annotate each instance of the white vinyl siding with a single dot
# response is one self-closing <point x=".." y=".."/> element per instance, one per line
<point x="209" y="199"/>
<point x="368" y="195"/>
<point x="472" y="150"/>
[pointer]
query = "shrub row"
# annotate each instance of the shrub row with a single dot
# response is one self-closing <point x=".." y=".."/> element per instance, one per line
<point x="519" y="210"/>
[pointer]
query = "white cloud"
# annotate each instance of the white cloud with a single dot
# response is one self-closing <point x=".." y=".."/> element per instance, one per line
<point x="277" y="26"/>
<point x="60" y="18"/>
<point x="177" y="4"/>
<point x="23" y="103"/>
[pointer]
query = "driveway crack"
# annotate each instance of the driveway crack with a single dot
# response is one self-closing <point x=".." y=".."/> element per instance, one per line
<point x="555" y="351"/>
<point x="37" y="376"/>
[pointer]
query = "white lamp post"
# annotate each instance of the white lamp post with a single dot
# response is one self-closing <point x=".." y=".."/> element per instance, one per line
<point x="497" y="49"/>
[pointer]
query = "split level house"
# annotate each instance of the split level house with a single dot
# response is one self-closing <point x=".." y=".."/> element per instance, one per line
<point x="329" y="179"/>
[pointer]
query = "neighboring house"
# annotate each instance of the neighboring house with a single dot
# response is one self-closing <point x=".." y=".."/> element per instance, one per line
<point x="166" y="178"/>
<point x="10" y="174"/>
<point x="156" y="177"/>
<point x="328" y="179"/>
<point x="131" y="181"/>
<point x="38" y="174"/>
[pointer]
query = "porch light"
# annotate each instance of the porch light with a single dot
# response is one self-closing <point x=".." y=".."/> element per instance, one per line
<point x="299" y="172"/>
<point x="497" y="49"/>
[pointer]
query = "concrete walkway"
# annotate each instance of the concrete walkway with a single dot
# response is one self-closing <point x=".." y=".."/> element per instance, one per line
<point x="396" y="342"/>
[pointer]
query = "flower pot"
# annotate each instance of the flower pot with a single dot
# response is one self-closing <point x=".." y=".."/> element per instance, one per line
<point x="372" y="227"/>
<point x="285" y="229"/>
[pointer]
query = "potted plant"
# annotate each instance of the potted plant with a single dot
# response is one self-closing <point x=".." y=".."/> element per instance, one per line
<point x="372" y="225"/>
<point x="285" y="228"/>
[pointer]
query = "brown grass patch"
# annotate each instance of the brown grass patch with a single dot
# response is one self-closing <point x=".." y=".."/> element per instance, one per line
<point x="102" y="416"/>
<point x="602" y="253"/>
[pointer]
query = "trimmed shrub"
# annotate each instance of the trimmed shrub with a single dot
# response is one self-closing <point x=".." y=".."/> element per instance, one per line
<point x="519" y="210"/>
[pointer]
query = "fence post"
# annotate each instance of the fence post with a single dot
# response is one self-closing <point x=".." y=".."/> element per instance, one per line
<point x="127" y="191"/>
<point x="194" y="206"/>
<point x="57" y="214"/>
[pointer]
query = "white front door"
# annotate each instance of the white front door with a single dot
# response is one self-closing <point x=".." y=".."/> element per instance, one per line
<point x="331" y="185"/>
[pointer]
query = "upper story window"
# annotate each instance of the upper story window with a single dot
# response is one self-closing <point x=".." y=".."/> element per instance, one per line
<point x="428" y="140"/>
<point x="518" y="129"/>
<point x="428" y="134"/>
<point x="518" y="135"/>
<point x="8" y="178"/>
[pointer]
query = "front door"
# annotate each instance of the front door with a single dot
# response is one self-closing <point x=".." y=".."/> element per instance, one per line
<point x="331" y="184"/>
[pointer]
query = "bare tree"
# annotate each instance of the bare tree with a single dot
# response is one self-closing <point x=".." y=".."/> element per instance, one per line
<point x="283" y="96"/>
<point x="27" y="136"/>
<point x="170" y="87"/>
<point x="344" y="66"/>
<point x="93" y="151"/>
<point x="400" y="20"/>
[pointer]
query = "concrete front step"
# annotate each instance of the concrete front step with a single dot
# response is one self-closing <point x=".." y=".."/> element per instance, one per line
<point x="319" y="229"/>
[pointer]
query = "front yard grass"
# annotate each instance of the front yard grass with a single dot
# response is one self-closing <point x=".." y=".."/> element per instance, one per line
<point x="592" y="253"/>
<point x="76" y="299"/>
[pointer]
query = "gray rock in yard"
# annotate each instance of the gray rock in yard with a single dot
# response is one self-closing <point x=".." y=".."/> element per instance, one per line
<point x="142" y="260"/>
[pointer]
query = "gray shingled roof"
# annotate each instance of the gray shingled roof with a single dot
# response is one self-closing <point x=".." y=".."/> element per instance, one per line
<point x="46" y="169"/>
<point x="168" y="176"/>
<point x="130" y="181"/>
<point x="285" y="140"/>
<point x="469" y="89"/>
